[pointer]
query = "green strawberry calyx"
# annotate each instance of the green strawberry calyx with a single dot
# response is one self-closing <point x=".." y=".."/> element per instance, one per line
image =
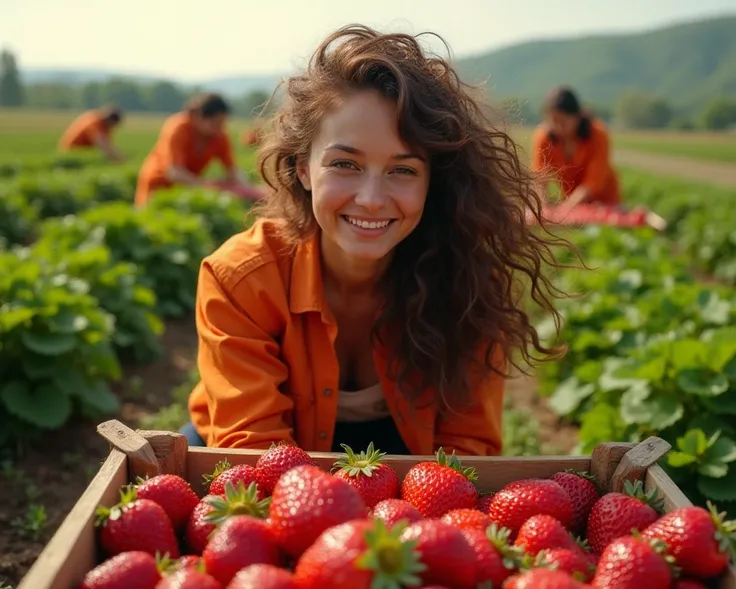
<point x="128" y="495"/>
<point x="395" y="562"/>
<point x="583" y="474"/>
<point x="365" y="463"/>
<point x="725" y="533"/>
<point x="513" y="557"/>
<point x="237" y="501"/>
<point x="454" y="463"/>
<point x="637" y="491"/>
<point x="220" y="467"/>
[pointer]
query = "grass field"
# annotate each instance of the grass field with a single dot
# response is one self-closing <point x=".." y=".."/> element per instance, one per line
<point x="29" y="134"/>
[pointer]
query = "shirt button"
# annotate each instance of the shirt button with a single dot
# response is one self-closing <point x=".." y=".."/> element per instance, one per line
<point x="327" y="392"/>
<point x="322" y="436"/>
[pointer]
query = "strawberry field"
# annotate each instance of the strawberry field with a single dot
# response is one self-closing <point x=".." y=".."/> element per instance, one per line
<point x="96" y="320"/>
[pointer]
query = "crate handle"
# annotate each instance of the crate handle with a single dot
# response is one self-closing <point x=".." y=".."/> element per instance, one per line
<point x="142" y="460"/>
<point x="635" y="462"/>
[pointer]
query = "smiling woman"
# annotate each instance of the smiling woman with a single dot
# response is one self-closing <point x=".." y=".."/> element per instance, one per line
<point x="377" y="297"/>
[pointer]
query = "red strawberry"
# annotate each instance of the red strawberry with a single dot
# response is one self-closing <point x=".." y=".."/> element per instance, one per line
<point x="198" y="529"/>
<point x="495" y="559"/>
<point x="542" y="532"/>
<point x="583" y="494"/>
<point x="391" y="511"/>
<point x="189" y="578"/>
<point x="484" y="502"/>
<point x="263" y="576"/>
<point x="467" y="519"/>
<point x="129" y="569"/>
<point x="700" y="541"/>
<point x="520" y="500"/>
<point x="632" y="563"/>
<point x="543" y="579"/>
<point x="136" y="524"/>
<point x="172" y="493"/>
<point x="359" y="554"/>
<point x="443" y="549"/>
<point x="617" y="514"/>
<point x="574" y="562"/>
<point x="374" y="480"/>
<point x="305" y="502"/>
<point x="190" y="561"/>
<point x="239" y="542"/>
<point x="213" y="510"/>
<point x="225" y="473"/>
<point x="435" y="488"/>
<point x="688" y="584"/>
<point x="275" y="461"/>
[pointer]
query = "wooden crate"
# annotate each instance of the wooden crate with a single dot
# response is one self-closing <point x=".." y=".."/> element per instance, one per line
<point x="73" y="550"/>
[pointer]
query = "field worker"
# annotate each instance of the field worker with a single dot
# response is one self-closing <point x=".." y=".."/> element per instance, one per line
<point x="375" y="297"/>
<point x="574" y="147"/>
<point x="188" y="142"/>
<point x="93" y="129"/>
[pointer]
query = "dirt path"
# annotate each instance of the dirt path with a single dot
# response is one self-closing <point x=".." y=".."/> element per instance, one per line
<point x="721" y="174"/>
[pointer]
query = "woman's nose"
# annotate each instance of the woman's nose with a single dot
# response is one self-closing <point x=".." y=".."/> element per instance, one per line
<point x="371" y="193"/>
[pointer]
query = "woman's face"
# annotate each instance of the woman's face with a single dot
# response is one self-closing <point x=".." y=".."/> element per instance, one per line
<point x="210" y="126"/>
<point x="368" y="187"/>
<point x="563" y="124"/>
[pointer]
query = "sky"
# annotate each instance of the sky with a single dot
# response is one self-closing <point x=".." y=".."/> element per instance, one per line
<point x="192" y="40"/>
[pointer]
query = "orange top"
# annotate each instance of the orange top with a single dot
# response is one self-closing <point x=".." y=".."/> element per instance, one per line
<point x="589" y="166"/>
<point x="268" y="367"/>
<point x="84" y="131"/>
<point x="179" y="144"/>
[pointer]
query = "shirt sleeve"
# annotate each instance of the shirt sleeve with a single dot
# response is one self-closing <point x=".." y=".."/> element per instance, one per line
<point x="597" y="170"/>
<point x="173" y="144"/>
<point x="476" y="430"/>
<point x="540" y="150"/>
<point x="239" y="367"/>
<point x="225" y="151"/>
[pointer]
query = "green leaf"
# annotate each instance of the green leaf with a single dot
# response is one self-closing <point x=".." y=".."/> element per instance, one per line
<point x="719" y="489"/>
<point x="568" y="396"/>
<point x="702" y="382"/>
<point x="45" y="406"/>
<point x="723" y="404"/>
<point x="713" y="470"/>
<point x="694" y="442"/>
<point x="48" y="344"/>
<point x="657" y="411"/>
<point x="69" y="322"/>
<point x="722" y="450"/>
<point x="99" y="397"/>
<point x="11" y="318"/>
<point x="679" y="459"/>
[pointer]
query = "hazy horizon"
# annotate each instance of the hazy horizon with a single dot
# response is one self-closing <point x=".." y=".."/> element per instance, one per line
<point x="168" y="40"/>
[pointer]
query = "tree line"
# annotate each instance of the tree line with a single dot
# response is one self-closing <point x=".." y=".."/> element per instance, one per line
<point x="131" y="95"/>
<point x="633" y="109"/>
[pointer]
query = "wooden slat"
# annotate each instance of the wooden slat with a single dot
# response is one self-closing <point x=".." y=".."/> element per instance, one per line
<point x="635" y="462"/>
<point x="71" y="553"/>
<point x="604" y="462"/>
<point x="674" y="498"/>
<point x="493" y="471"/>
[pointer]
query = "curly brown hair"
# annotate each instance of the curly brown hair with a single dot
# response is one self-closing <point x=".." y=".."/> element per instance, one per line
<point x="453" y="289"/>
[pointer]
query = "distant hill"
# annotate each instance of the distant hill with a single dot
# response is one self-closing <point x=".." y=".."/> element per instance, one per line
<point x="231" y="86"/>
<point x="686" y="64"/>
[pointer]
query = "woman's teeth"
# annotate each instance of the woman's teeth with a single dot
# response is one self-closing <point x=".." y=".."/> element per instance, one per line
<point x="368" y="224"/>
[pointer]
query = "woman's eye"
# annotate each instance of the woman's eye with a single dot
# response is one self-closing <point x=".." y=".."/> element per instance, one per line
<point x="403" y="170"/>
<point x="344" y="165"/>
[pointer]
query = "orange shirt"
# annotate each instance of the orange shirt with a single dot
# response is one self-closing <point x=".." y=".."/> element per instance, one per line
<point x="178" y="145"/>
<point x="589" y="166"/>
<point x="268" y="367"/>
<point x="84" y="131"/>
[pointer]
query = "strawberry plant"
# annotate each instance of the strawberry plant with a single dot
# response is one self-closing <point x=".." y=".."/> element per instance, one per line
<point x="18" y="217"/>
<point x="119" y="289"/>
<point x="166" y="246"/>
<point x="222" y="214"/>
<point x="56" y="354"/>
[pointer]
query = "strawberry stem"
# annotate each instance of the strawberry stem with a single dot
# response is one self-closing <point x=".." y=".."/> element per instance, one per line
<point x="395" y="562"/>
<point x="725" y="532"/>
<point x="237" y="501"/>
<point x="454" y="463"/>
<point x="584" y="474"/>
<point x="637" y="491"/>
<point x="220" y="467"/>
<point x="364" y="463"/>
